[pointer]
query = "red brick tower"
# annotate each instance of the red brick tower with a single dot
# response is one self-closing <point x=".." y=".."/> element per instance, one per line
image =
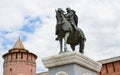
<point x="19" y="61"/>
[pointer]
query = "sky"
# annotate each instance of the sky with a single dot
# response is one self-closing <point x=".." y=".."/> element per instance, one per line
<point x="34" y="21"/>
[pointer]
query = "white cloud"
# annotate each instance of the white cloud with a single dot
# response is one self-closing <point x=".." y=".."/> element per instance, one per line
<point x="98" y="19"/>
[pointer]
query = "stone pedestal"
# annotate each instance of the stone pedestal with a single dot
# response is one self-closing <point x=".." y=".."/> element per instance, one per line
<point x="71" y="63"/>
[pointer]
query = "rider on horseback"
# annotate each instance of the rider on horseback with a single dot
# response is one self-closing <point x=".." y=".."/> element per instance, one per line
<point x="72" y="18"/>
<point x="67" y="29"/>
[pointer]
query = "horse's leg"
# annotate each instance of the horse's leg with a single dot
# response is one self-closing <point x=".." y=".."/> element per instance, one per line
<point x="60" y="40"/>
<point x="81" y="49"/>
<point x="65" y="41"/>
<point x="73" y="47"/>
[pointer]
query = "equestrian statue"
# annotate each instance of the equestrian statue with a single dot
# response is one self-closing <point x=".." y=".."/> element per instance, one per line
<point x="67" y="29"/>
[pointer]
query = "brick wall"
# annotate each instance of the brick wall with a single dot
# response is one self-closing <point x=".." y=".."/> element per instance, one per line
<point x="112" y="68"/>
<point x="19" y="63"/>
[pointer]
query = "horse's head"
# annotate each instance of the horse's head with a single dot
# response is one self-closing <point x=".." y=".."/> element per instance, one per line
<point x="59" y="18"/>
<point x="60" y="10"/>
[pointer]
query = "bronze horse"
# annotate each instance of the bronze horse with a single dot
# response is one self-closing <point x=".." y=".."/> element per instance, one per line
<point x="65" y="30"/>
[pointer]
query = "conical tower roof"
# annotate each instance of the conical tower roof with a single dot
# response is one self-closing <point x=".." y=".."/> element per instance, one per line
<point x="18" y="47"/>
<point x="19" y="44"/>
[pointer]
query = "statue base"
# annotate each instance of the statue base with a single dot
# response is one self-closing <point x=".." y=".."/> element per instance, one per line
<point x="71" y="63"/>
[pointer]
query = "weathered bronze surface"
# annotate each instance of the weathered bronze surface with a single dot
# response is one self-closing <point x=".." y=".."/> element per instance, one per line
<point x="67" y="29"/>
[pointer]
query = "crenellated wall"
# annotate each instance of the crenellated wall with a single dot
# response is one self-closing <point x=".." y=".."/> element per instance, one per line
<point x="19" y="63"/>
